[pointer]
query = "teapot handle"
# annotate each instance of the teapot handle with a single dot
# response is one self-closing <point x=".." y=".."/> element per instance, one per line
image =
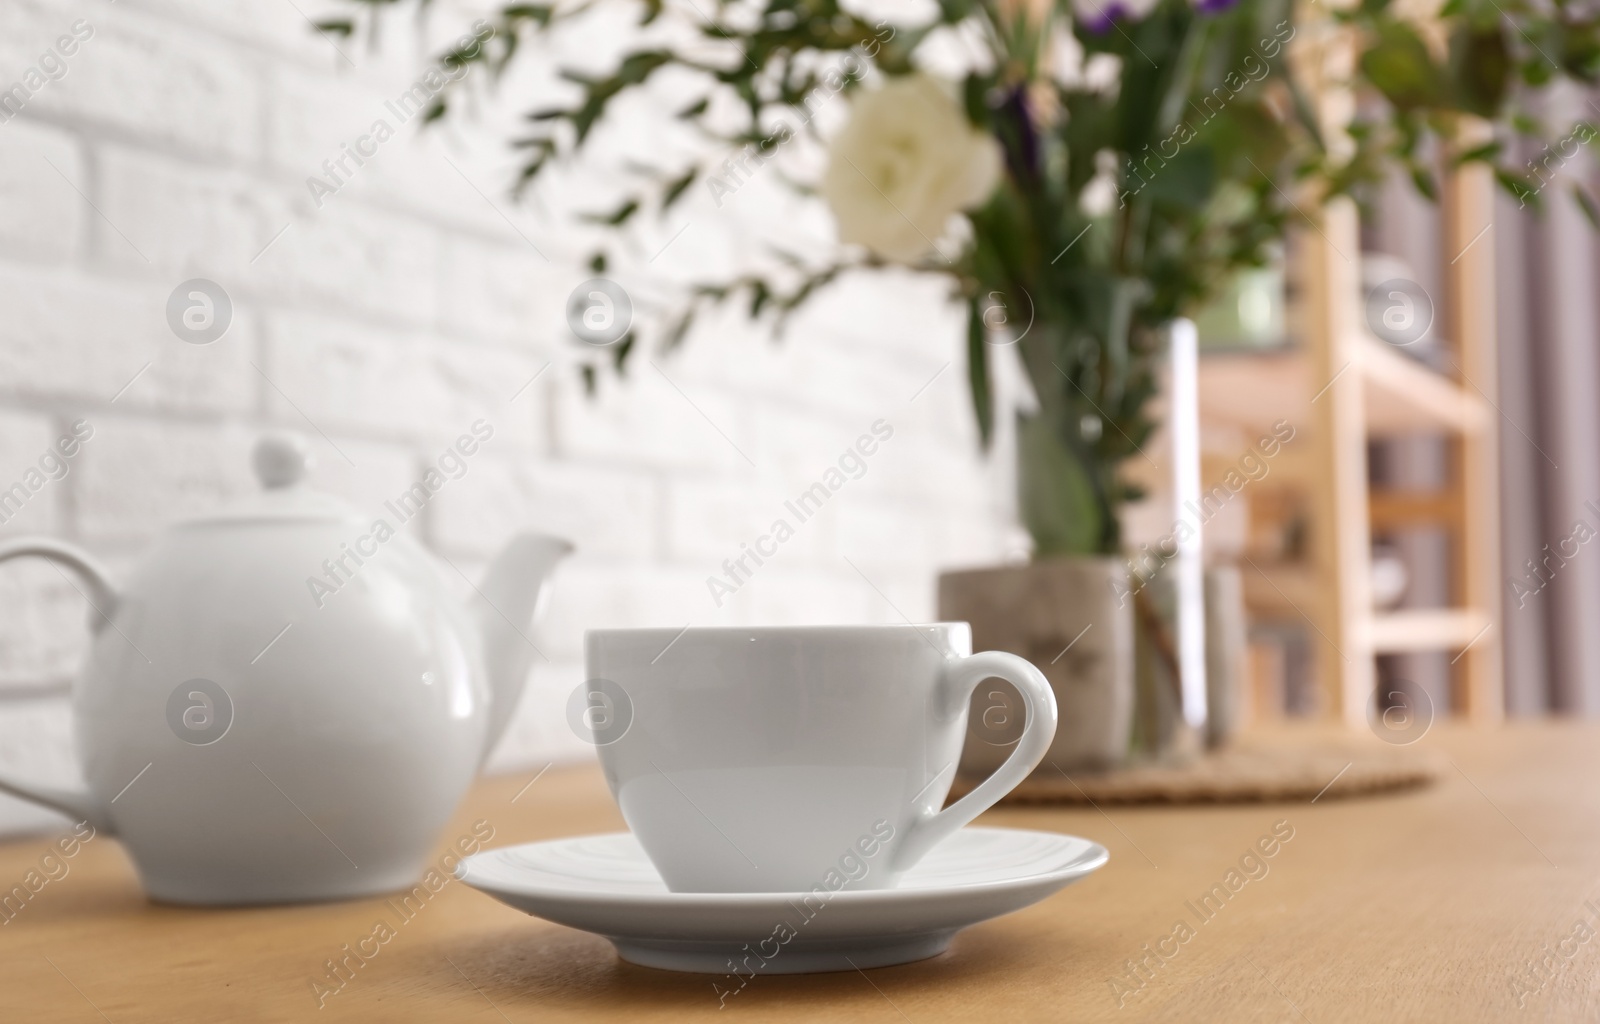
<point x="79" y="804"/>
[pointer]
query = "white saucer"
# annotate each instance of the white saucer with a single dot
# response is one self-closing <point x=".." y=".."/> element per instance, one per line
<point x="605" y="884"/>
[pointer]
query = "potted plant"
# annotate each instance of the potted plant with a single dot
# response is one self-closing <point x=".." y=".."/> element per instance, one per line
<point x="1097" y="170"/>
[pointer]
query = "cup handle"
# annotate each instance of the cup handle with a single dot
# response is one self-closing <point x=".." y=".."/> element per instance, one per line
<point x="962" y="676"/>
<point x="80" y="805"/>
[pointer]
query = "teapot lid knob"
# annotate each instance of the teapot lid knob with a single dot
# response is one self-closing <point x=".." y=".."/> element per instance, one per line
<point x="281" y="459"/>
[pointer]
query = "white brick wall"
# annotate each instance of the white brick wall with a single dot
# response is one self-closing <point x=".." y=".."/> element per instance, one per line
<point x="177" y="145"/>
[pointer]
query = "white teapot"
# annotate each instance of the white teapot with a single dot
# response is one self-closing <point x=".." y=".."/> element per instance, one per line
<point x="283" y="702"/>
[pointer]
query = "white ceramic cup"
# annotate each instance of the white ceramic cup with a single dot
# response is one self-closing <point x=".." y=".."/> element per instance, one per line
<point x="782" y="759"/>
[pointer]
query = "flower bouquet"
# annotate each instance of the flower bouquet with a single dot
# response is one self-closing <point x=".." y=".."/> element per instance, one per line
<point x="1095" y="170"/>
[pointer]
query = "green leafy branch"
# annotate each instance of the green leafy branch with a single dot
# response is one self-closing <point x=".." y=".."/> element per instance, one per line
<point x="1121" y="207"/>
<point x="1483" y="59"/>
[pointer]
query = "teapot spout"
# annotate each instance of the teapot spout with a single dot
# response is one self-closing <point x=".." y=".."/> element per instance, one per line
<point x="505" y="608"/>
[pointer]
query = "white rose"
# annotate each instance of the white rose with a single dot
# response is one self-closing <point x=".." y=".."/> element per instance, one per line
<point x="906" y="160"/>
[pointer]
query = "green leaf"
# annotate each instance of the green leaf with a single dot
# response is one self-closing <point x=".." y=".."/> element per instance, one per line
<point x="1187" y="180"/>
<point x="1577" y="46"/>
<point x="539" y="14"/>
<point x="760" y="295"/>
<point x="978" y="372"/>
<point x="1519" y="187"/>
<point x="1057" y="496"/>
<point x="1586" y="203"/>
<point x="525" y="177"/>
<point x="1486" y="153"/>
<point x="1305" y="113"/>
<point x="620" y="353"/>
<point x="617" y="217"/>
<point x="1399" y="65"/>
<point x="1537" y="71"/>
<point x="1423" y="179"/>
<point x="634" y="70"/>
<point x="676" y="188"/>
<point x="1480" y="68"/>
<point x="680" y="330"/>
<point x="975" y="98"/>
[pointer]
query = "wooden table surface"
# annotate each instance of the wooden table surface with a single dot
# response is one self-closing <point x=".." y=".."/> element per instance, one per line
<point x="1466" y="901"/>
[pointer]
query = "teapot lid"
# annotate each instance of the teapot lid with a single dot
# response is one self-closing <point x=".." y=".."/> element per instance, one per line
<point x="281" y="460"/>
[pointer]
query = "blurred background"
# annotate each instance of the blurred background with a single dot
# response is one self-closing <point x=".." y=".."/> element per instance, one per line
<point x="417" y="300"/>
<point x="383" y="316"/>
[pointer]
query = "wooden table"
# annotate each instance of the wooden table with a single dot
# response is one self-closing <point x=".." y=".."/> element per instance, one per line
<point x="1426" y="906"/>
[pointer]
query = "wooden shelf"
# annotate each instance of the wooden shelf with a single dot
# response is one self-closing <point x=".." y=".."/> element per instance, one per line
<point x="1254" y="389"/>
<point x="1291" y="590"/>
<point x="1427" y="629"/>
<point x="1341" y="387"/>
<point x="1287" y="590"/>
<point x="1392" y="509"/>
<point x="1400" y="395"/>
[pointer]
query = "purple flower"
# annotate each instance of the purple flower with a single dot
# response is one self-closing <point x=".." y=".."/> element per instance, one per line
<point x="1022" y="158"/>
<point x="1099" y="15"/>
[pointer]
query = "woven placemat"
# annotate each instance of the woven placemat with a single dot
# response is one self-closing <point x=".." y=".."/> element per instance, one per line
<point x="1251" y="770"/>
